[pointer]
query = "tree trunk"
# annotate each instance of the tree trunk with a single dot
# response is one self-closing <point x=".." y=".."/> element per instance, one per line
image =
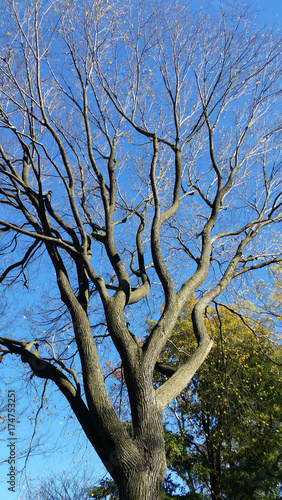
<point x="143" y="480"/>
<point x="144" y="485"/>
<point x="215" y="490"/>
<point x="140" y="475"/>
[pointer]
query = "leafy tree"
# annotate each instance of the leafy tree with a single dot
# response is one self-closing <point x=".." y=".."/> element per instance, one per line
<point x="229" y="439"/>
<point x="107" y="490"/>
<point x="140" y="162"/>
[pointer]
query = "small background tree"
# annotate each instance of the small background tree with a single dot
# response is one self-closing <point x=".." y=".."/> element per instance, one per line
<point x="228" y="439"/>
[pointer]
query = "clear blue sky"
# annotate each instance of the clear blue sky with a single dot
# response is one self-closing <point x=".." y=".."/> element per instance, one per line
<point x="269" y="11"/>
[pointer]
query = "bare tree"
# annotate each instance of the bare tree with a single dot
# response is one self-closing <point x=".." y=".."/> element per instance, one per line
<point x="60" y="488"/>
<point x="141" y="155"/>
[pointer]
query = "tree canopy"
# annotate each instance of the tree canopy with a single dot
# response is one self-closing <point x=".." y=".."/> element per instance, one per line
<point x="140" y="165"/>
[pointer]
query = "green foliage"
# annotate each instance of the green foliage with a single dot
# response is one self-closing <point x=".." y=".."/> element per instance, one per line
<point x="107" y="490"/>
<point x="229" y="438"/>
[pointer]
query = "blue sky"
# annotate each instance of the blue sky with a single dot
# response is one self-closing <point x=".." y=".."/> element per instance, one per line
<point x="61" y="449"/>
<point x="271" y="10"/>
<point x="268" y="11"/>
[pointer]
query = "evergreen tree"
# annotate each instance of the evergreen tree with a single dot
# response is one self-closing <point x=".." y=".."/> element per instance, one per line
<point x="229" y="438"/>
